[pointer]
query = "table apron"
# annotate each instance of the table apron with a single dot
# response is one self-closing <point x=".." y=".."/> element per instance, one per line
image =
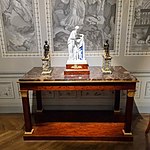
<point x="78" y="87"/>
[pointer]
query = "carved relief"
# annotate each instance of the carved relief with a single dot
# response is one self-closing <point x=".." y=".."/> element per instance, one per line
<point x="138" y="89"/>
<point x="67" y="94"/>
<point x="96" y="94"/>
<point x="48" y="94"/>
<point x="147" y="89"/>
<point x="6" y="90"/>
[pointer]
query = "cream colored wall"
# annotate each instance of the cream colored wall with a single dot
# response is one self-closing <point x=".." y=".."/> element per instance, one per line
<point x="11" y="69"/>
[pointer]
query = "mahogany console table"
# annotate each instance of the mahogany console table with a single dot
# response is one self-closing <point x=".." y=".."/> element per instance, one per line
<point x="120" y="79"/>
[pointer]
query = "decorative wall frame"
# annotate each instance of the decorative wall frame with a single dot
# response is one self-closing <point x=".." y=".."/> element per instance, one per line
<point x="58" y="46"/>
<point x="138" y="28"/>
<point x="138" y="89"/>
<point x="96" y="94"/>
<point x="6" y="90"/>
<point x="48" y="94"/>
<point x="20" y="32"/>
<point x="67" y="94"/>
<point x="147" y="90"/>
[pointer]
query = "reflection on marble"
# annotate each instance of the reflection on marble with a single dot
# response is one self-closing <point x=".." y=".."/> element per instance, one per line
<point x="19" y="26"/>
<point x="118" y="74"/>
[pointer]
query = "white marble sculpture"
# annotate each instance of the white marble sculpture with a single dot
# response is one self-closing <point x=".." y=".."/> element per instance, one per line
<point x="76" y="47"/>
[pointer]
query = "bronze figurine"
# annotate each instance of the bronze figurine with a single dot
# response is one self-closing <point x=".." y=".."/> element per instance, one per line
<point x="46" y="49"/>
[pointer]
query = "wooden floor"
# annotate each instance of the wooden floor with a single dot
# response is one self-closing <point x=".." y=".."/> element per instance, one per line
<point x="12" y="130"/>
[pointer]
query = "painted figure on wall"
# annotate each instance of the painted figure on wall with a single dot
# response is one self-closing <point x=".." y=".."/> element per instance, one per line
<point x="76" y="15"/>
<point x="76" y="48"/>
<point x="141" y="26"/>
<point x="19" y="27"/>
<point x="95" y="17"/>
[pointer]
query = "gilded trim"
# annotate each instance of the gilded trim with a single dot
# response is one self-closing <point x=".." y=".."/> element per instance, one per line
<point x="24" y="93"/>
<point x="131" y="93"/>
<point x="129" y="134"/>
<point x="29" y="132"/>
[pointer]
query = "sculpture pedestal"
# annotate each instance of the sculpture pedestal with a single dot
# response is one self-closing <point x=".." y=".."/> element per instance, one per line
<point x="77" y="68"/>
<point x="106" y="67"/>
<point x="46" y="66"/>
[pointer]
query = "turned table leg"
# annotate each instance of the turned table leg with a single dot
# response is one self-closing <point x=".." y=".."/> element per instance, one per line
<point x="148" y="127"/>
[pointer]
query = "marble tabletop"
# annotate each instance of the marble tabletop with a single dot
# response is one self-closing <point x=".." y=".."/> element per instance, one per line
<point x="119" y="74"/>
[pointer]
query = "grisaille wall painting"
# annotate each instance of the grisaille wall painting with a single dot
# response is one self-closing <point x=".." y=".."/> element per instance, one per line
<point x="19" y="36"/>
<point x="138" y="31"/>
<point x="99" y="20"/>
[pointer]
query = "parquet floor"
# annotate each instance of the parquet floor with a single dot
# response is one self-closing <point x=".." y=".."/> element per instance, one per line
<point x="12" y="129"/>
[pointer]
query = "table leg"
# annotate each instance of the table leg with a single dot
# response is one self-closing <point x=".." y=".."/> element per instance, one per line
<point x="117" y="101"/>
<point x="148" y="127"/>
<point x="26" y="110"/>
<point x="39" y="101"/>
<point x="128" y="112"/>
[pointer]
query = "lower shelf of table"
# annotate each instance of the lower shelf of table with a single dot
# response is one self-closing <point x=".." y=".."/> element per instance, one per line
<point x="78" y="131"/>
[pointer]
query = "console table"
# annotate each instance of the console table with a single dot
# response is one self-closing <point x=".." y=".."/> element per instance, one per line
<point x="120" y="79"/>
